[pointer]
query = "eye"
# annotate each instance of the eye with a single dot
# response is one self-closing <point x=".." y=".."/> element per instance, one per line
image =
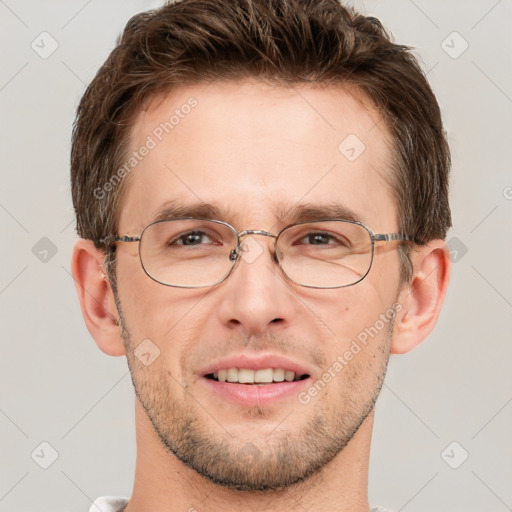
<point x="323" y="238"/>
<point x="192" y="238"/>
<point x="317" y="239"/>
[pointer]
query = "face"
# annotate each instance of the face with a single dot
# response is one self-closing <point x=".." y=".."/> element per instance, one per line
<point x="259" y="156"/>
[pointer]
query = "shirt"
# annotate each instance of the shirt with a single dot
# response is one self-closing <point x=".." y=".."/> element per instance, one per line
<point x="116" y="504"/>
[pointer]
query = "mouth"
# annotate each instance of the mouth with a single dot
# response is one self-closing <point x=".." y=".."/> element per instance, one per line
<point x="255" y="380"/>
<point x="263" y="376"/>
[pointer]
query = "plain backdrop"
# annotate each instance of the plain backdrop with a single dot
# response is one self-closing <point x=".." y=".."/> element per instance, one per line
<point x="442" y="439"/>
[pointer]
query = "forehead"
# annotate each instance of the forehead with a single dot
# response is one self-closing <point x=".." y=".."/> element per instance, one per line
<point x="252" y="149"/>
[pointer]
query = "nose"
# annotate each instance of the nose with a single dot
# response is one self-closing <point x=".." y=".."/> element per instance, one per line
<point x="256" y="297"/>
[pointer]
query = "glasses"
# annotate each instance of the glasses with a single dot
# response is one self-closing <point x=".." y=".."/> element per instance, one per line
<point x="197" y="253"/>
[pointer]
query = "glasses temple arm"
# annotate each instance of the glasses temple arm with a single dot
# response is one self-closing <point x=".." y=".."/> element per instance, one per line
<point x="389" y="237"/>
<point x="109" y="241"/>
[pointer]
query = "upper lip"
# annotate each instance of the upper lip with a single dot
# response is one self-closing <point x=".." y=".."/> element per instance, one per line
<point x="255" y="362"/>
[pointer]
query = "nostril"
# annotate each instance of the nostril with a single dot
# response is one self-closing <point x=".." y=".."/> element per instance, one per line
<point x="276" y="320"/>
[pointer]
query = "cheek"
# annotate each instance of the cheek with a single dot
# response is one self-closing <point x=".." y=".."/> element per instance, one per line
<point x="359" y="320"/>
<point x="345" y="313"/>
<point x="150" y="308"/>
<point x="159" y="319"/>
<point x="385" y="271"/>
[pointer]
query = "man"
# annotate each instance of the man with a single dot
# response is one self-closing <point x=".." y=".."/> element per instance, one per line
<point x="261" y="189"/>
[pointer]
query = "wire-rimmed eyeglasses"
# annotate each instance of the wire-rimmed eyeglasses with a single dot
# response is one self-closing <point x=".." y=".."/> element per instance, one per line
<point x="196" y="253"/>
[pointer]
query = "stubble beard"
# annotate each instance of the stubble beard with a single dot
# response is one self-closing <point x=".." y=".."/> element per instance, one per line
<point x="277" y="460"/>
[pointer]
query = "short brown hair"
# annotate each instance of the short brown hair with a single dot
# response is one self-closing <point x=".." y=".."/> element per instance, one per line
<point x="281" y="41"/>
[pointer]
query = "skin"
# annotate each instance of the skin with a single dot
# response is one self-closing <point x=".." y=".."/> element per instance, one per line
<point x="249" y="149"/>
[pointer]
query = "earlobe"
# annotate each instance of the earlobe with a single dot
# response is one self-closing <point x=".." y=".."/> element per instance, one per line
<point x="96" y="298"/>
<point x="423" y="297"/>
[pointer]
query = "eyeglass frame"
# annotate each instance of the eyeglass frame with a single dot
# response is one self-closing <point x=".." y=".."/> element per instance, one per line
<point x="110" y="241"/>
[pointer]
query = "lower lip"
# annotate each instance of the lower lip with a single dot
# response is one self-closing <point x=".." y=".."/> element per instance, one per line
<point x="254" y="395"/>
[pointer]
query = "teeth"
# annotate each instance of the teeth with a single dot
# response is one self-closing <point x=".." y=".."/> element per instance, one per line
<point x="264" y="375"/>
<point x="278" y="375"/>
<point x="233" y="375"/>
<point x="289" y="376"/>
<point x="246" y="376"/>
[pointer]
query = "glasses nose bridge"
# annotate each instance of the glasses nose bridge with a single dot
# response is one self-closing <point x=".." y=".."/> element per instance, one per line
<point x="248" y="232"/>
<point x="236" y="253"/>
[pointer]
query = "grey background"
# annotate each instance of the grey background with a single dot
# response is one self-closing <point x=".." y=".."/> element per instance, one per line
<point x="57" y="387"/>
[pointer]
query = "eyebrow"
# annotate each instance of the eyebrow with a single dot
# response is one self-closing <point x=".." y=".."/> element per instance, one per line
<point x="310" y="212"/>
<point x="288" y="215"/>
<point x="174" y="210"/>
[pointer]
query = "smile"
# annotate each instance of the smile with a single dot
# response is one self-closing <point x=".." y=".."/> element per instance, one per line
<point x="254" y="379"/>
<point x="262" y="376"/>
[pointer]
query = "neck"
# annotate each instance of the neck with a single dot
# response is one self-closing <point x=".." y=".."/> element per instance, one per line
<point x="164" y="483"/>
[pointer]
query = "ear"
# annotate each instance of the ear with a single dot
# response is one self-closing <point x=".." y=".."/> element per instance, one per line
<point x="423" y="297"/>
<point x="96" y="297"/>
